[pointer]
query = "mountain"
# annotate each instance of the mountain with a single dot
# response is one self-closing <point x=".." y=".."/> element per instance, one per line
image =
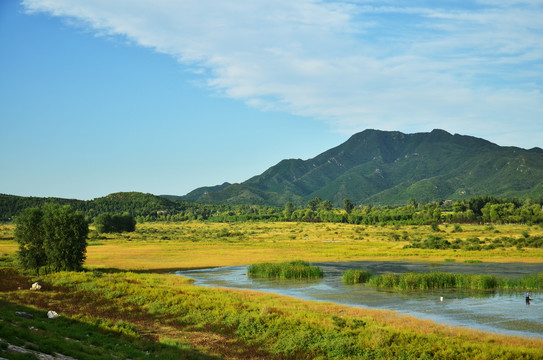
<point x="390" y="167"/>
<point x="196" y="194"/>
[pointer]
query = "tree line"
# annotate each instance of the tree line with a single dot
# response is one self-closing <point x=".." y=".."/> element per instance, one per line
<point x="147" y="207"/>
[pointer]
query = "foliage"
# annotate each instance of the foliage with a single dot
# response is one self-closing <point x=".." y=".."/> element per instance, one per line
<point x="107" y="223"/>
<point x="296" y="269"/>
<point x="390" y="168"/>
<point x="352" y="276"/>
<point x="146" y="207"/>
<point x="29" y="236"/>
<point x="348" y="205"/>
<point x="54" y="237"/>
<point x="64" y="237"/>
<point x="444" y="280"/>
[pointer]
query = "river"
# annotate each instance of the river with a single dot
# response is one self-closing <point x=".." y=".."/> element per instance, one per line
<point x="502" y="312"/>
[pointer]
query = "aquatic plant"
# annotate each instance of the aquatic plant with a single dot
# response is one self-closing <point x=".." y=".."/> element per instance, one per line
<point x="353" y="276"/>
<point x="444" y="280"/>
<point x="297" y="269"/>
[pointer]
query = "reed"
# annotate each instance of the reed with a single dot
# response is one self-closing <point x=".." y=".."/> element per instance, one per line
<point x="297" y="269"/>
<point x="352" y="276"/>
<point x="443" y="280"/>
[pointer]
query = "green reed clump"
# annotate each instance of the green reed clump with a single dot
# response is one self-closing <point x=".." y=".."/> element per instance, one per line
<point x="297" y="269"/>
<point x="532" y="281"/>
<point x="352" y="276"/>
<point x="443" y="280"/>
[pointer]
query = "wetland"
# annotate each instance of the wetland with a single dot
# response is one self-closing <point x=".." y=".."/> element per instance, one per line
<point x="496" y="311"/>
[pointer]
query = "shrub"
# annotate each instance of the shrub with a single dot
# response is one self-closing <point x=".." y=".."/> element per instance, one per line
<point x="107" y="223"/>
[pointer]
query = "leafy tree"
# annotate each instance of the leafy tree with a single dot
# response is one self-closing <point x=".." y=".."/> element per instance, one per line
<point x="103" y="223"/>
<point x="289" y="209"/>
<point x="459" y="206"/>
<point x="64" y="237"/>
<point x="348" y="205"/>
<point x="107" y="223"/>
<point x="436" y="215"/>
<point x="327" y="205"/>
<point x="29" y="235"/>
<point x="124" y="222"/>
<point x="314" y="204"/>
<point x="54" y="237"/>
<point x="412" y="203"/>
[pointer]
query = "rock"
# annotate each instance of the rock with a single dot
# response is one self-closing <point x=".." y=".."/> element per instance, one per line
<point x="35" y="287"/>
<point x="24" y="314"/>
<point x="52" y="314"/>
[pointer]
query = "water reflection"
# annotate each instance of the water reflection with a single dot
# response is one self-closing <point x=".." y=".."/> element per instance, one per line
<point x="502" y="312"/>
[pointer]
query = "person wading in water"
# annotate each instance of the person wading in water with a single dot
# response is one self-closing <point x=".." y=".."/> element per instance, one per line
<point x="528" y="298"/>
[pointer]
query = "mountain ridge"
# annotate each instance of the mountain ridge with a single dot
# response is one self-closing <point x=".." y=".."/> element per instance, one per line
<point x="389" y="168"/>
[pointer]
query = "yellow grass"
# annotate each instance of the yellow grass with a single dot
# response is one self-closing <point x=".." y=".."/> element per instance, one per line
<point x="170" y="246"/>
<point x="167" y="246"/>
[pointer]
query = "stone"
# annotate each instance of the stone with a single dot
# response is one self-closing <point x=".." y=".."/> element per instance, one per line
<point x="24" y="314"/>
<point x="52" y="314"/>
<point x="35" y="287"/>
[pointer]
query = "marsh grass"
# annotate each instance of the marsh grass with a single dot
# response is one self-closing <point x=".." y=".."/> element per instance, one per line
<point x="444" y="280"/>
<point x="353" y="276"/>
<point x="297" y="269"/>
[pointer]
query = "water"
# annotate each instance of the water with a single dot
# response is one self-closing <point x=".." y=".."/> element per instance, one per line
<point x="500" y="312"/>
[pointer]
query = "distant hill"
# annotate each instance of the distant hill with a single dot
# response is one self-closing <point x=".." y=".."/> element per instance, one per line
<point x="135" y="203"/>
<point x="390" y="167"/>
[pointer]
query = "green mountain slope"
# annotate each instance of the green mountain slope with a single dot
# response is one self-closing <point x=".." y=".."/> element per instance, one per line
<point x="384" y="167"/>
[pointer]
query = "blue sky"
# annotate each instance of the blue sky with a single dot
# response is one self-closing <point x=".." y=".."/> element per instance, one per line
<point x="100" y="96"/>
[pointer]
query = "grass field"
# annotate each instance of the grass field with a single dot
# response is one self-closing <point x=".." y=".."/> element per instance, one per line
<point x="167" y="246"/>
<point x="167" y="317"/>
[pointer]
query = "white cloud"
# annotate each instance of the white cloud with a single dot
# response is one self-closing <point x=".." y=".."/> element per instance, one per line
<point x="356" y="64"/>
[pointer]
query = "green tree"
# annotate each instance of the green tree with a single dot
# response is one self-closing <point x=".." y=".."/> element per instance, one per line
<point x="289" y="209"/>
<point x="29" y="236"/>
<point x="107" y="223"/>
<point x="412" y="203"/>
<point x="314" y="204"/>
<point x="436" y="214"/>
<point x="327" y="205"/>
<point x="103" y="223"/>
<point x="348" y="205"/>
<point x="459" y="206"/>
<point x="64" y="237"/>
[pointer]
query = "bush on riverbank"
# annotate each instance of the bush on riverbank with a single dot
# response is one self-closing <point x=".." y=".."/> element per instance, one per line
<point x="297" y="269"/>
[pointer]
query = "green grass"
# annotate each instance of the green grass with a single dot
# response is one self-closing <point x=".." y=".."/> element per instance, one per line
<point x="297" y="269"/>
<point x="81" y="337"/>
<point x="444" y="280"/>
<point x="352" y="276"/>
<point x="101" y="309"/>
